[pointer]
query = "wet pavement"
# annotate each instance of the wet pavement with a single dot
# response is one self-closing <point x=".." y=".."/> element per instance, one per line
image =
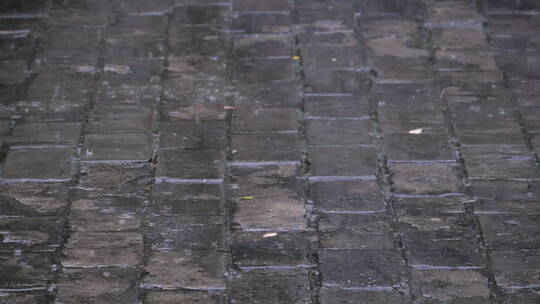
<point x="254" y="151"/>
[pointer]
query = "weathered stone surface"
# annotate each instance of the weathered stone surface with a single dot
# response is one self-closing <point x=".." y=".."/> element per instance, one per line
<point x="510" y="231"/>
<point x="26" y="271"/>
<point x="343" y="161"/>
<point x="103" y="286"/>
<point x="362" y="268"/>
<point x="252" y="249"/>
<point x="190" y="164"/>
<point x="126" y="119"/>
<point x="48" y="164"/>
<point x="246" y="120"/>
<point x="270" y="286"/>
<point x="354" y="231"/>
<point x="346" y="296"/>
<point x="32" y="234"/>
<point x="422" y="178"/>
<point x="49" y="133"/>
<point x="347" y="195"/>
<point x="265" y="147"/>
<point x="117" y="147"/>
<point x="23" y="200"/>
<point x="513" y="268"/>
<point x="418" y="147"/>
<point x="339" y="132"/>
<point x="181" y="232"/>
<point x="451" y="286"/>
<point x="102" y="249"/>
<point x="104" y="178"/>
<point x="267" y="198"/>
<point x="185" y="269"/>
<point x="192" y="135"/>
<point x="174" y="297"/>
<point x="104" y="214"/>
<point x="335" y="106"/>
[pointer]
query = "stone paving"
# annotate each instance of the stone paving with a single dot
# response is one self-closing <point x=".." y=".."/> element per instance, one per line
<point x="257" y="151"/>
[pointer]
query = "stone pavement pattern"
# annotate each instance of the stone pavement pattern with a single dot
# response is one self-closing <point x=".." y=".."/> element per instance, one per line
<point x="284" y="151"/>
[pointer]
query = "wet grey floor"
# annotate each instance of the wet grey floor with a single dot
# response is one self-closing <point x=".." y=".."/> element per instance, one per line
<point x="270" y="151"/>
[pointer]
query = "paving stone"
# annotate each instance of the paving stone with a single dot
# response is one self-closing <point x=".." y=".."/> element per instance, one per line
<point x="106" y="214"/>
<point x="24" y="271"/>
<point x="339" y="132"/>
<point x="48" y="133"/>
<point x="142" y="7"/>
<point x="373" y="268"/>
<point x="451" y="286"/>
<point x="355" y="231"/>
<point x="192" y="135"/>
<point x="347" y="195"/>
<point x="22" y="298"/>
<point x="103" y="249"/>
<point x="13" y="71"/>
<point x="335" y="106"/>
<point x="419" y="147"/>
<point x="279" y="94"/>
<point x="102" y="285"/>
<point x="257" y="71"/>
<point x="201" y="14"/>
<point x="185" y="269"/>
<point x="525" y="297"/>
<point x="117" y="147"/>
<point x="510" y="231"/>
<point x="182" y="232"/>
<point x="126" y="93"/>
<point x="263" y="46"/>
<point x="500" y="168"/>
<point x="95" y="15"/>
<point x="103" y="178"/>
<point x="346" y="296"/>
<point x="190" y="164"/>
<point x="267" y="198"/>
<point x="337" y="81"/>
<point x="120" y="120"/>
<point x="516" y="268"/>
<point x="255" y="249"/>
<point x="328" y="56"/>
<point x="202" y="39"/>
<point x="187" y="199"/>
<point x="448" y="240"/>
<point x="327" y="32"/>
<point x="247" y="120"/>
<point x="49" y="164"/>
<point x="266" y="23"/>
<point x="430" y="206"/>
<point x="265" y="147"/>
<point x="261" y="6"/>
<point x="28" y="200"/>
<point x="424" y="178"/>
<point x="32" y="234"/>
<point x="271" y="286"/>
<point x="172" y="297"/>
<point x="342" y="160"/>
<point x="489" y="133"/>
<point x="311" y="12"/>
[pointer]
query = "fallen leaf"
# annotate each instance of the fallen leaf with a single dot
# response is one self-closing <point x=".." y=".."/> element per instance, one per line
<point x="229" y="108"/>
<point x="416" y="131"/>
<point x="247" y="197"/>
<point x="269" y="234"/>
<point x="295" y="57"/>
